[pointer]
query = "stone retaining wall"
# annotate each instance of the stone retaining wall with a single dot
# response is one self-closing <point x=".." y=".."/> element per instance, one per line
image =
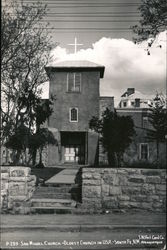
<point x="17" y="187"/>
<point x="111" y="189"/>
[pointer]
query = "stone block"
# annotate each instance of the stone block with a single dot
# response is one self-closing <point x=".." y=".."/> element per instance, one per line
<point x="91" y="182"/>
<point x="153" y="198"/>
<point x="133" y="171"/>
<point x="17" y="189"/>
<point x="32" y="178"/>
<point x="146" y="205"/>
<point x="89" y="170"/>
<point x="4" y="185"/>
<point x="91" y="203"/>
<point x="96" y="176"/>
<point x="122" y="171"/>
<point x="4" y="169"/>
<point x="17" y="198"/>
<point x="91" y="191"/>
<point x="123" y="197"/>
<point x="105" y="190"/>
<point x="160" y="192"/>
<point x="153" y="179"/>
<point x="4" y="176"/>
<point x="137" y="179"/>
<point x="116" y="180"/>
<point x="157" y="205"/>
<point x="107" y="179"/>
<point x="115" y="190"/>
<point x="148" y="189"/>
<point x="131" y="190"/>
<point x="122" y="180"/>
<point x="19" y="171"/>
<point x="124" y="204"/>
<point x="151" y="172"/>
<point x="87" y="175"/>
<point x="109" y="204"/>
<point x="110" y="171"/>
<point x="134" y="204"/>
<point x="18" y="179"/>
<point x="109" y="198"/>
<point x="160" y="187"/>
<point x="140" y="198"/>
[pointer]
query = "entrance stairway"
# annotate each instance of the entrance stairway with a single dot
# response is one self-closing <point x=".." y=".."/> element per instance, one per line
<point x="58" y="195"/>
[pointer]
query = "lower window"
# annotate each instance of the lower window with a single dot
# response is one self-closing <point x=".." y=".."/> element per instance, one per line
<point x="144" y="151"/>
<point x="73" y="114"/>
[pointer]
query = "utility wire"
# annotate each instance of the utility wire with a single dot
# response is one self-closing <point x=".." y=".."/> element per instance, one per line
<point x="90" y="21"/>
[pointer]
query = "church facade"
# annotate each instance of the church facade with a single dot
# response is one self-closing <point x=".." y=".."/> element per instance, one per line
<point x="75" y="87"/>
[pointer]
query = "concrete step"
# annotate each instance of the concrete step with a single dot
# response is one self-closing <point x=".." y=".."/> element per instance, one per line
<point x="45" y="202"/>
<point x="61" y="189"/>
<point x="66" y="177"/>
<point x="51" y="195"/>
<point x="51" y="210"/>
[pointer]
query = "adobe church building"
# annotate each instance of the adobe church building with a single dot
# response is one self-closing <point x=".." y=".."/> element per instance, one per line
<point x="76" y="88"/>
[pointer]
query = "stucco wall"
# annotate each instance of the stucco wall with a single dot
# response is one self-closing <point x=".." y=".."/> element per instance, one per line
<point x="87" y="101"/>
<point x="123" y="189"/>
<point x="17" y="187"/>
<point x="132" y="153"/>
<point x="106" y="102"/>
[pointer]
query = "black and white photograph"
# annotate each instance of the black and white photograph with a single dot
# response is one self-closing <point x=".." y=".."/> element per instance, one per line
<point x="83" y="124"/>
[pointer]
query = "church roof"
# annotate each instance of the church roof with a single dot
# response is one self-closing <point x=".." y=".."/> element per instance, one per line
<point x="79" y="65"/>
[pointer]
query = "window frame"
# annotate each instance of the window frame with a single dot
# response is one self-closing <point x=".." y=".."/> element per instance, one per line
<point x="145" y="122"/>
<point x="140" y="151"/>
<point x="124" y="104"/>
<point x="70" y="114"/>
<point x="74" y="82"/>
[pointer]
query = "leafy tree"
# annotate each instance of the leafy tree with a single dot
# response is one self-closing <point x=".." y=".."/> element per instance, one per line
<point x="38" y="141"/>
<point x="153" y="20"/>
<point x="34" y="137"/>
<point x="25" y="45"/>
<point x="18" y="142"/>
<point x="42" y="136"/>
<point x="158" y="121"/>
<point x="116" y="134"/>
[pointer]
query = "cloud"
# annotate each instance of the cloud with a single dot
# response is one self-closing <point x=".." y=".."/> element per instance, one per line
<point x="126" y="64"/>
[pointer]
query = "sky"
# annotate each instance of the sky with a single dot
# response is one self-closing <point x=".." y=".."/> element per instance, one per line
<point x="103" y="27"/>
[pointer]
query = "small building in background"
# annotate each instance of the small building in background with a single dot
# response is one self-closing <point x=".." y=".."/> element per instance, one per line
<point x="142" y="150"/>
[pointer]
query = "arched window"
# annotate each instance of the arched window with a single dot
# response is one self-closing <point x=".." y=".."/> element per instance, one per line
<point x="73" y="114"/>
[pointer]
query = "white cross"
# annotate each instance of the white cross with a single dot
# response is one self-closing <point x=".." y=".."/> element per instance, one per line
<point x="75" y="45"/>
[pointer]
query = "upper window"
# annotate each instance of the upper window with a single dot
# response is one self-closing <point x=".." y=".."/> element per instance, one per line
<point x="144" y="151"/>
<point x="145" y="122"/>
<point x="73" y="114"/>
<point x="124" y="104"/>
<point x="74" y="82"/>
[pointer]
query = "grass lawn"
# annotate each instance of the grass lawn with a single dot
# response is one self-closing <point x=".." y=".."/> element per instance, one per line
<point x="45" y="173"/>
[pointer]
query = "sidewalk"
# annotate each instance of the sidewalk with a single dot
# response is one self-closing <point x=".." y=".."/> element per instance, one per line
<point x="68" y="222"/>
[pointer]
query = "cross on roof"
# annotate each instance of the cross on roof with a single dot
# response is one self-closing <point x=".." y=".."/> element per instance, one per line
<point x="75" y="45"/>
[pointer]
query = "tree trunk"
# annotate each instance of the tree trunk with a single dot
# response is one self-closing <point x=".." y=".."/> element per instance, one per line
<point x="119" y="157"/>
<point x="40" y="156"/>
<point x="157" y="154"/>
<point x="34" y="153"/>
<point x="17" y="157"/>
<point x="111" y="159"/>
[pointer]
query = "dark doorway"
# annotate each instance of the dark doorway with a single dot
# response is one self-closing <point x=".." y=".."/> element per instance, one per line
<point x="74" y="147"/>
